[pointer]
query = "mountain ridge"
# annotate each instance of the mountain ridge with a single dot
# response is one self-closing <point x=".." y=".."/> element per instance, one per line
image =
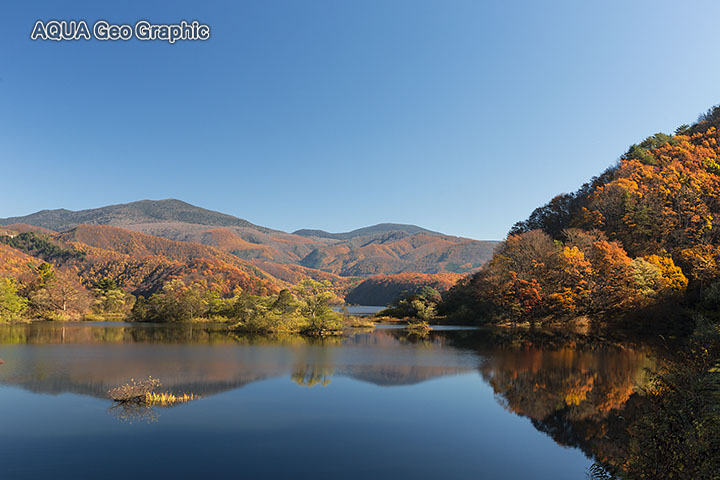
<point x="385" y="248"/>
<point x="372" y="229"/>
<point x="141" y="211"/>
<point x="172" y="209"/>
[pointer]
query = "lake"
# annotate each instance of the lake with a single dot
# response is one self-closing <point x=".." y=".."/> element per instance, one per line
<point x="361" y="310"/>
<point x="459" y="404"/>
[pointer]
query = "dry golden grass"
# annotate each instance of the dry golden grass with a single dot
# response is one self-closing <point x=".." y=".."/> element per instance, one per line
<point x="166" y="399"/>
<point x="143" y="393"/>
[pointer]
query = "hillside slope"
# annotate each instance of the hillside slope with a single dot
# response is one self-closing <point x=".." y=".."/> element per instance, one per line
<point x="141" y="263"/>
<point x="643" y="233"/>
<point x="400" y="252"/>
<point x="380" y="249"/>
<point x="16" y="263"/>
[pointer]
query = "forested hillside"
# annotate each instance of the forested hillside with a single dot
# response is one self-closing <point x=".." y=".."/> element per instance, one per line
<point x="643" y="233"/>
<point x="380" y="249"/>
<point x="139" y="264"/>
<point x="86" y="256"/>
<point x="103" y="272"/>
<point x="400" y="252"/>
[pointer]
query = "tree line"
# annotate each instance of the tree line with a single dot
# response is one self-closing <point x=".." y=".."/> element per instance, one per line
<point x="50" y="293"/>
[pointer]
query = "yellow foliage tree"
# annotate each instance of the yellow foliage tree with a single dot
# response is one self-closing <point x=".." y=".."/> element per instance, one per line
<point x="671" y="273"/>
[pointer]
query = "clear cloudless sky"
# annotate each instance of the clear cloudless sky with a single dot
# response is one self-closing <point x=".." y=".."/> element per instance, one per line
<point x="459" y="116"/>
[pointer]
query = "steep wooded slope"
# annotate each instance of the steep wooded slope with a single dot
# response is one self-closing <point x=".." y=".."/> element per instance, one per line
<point x="638" y="235"/>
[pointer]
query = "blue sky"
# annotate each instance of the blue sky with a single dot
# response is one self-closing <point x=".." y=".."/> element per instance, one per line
<point x="460" y="116"/>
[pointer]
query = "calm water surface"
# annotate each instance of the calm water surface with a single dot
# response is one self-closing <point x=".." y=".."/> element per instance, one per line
<point x="459" y="404"/>
<point x="362" y="310"/>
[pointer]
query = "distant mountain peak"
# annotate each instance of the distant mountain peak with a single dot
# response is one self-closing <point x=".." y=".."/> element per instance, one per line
<point x="372" y="230"/>
<point x="139" y="212"/>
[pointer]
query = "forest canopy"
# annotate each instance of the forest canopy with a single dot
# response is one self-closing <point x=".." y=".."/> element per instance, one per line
<point x="643" y="233"/>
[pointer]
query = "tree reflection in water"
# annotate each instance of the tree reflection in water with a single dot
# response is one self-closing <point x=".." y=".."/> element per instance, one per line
<point x="581" y="393"/>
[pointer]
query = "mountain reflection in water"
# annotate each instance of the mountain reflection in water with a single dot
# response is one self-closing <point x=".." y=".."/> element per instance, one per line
<point x="206" y="360"/>
<point x="575" y="393"/>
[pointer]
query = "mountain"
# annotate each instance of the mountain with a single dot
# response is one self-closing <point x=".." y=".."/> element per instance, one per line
<point x="386" y="248"/>
<point x="135" y="213"/>
<point x="378" y="229"/>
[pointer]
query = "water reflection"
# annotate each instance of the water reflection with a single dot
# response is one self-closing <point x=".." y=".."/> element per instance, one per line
<point x="576" y="393"/>
<point x="133" y="413"/>
<point x="580" y="393"/>
<point x="78" y="358"/>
